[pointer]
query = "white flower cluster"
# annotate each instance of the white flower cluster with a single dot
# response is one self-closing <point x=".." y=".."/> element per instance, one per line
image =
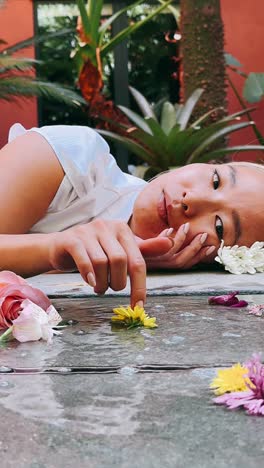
<point x="240" y="260"/>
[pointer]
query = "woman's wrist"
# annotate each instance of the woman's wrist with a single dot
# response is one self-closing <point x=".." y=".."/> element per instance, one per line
<point x="26" y="254"/>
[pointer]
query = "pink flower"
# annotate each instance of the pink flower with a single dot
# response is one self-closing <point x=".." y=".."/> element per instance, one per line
<point x="253" y="399"/>
<point x="228" y="300"/>
<point x="33" y="323"/>
<point x="13" y="291"/>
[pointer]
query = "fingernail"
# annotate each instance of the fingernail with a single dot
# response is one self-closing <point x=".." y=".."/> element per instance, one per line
<point x="91" y="280"/>
<point x="186" y="228"/>
<point x="140" y="304"/>
<point x="203" y="237"/>
<point x="169" y="232"/>
<point x="210" y="250"/>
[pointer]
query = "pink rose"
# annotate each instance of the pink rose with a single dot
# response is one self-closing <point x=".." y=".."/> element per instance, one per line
<point x="13" y="291"/>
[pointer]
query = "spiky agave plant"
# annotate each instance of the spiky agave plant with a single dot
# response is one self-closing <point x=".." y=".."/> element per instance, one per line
<point x="17" y="79"/>
<point x="174" y="140"/>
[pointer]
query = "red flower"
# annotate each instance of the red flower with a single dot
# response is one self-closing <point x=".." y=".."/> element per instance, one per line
<point x="13" y="291"/>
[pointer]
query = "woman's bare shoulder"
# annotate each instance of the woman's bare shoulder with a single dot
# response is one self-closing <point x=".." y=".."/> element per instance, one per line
<point x="30" y="175"/>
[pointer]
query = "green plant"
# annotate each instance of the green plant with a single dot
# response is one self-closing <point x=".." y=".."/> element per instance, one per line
<point x="94" y="47"/>
<point x="17" y="79"/>
<point x="174" y="141"/>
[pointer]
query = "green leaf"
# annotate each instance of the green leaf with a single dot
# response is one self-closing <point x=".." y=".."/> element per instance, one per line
<point x="254" y="87"/>
<point x="34" y="40"/>
<point x="12" y="87"/>
<point x="84" y="16"/>
<point x="95" y="13"/>
<point x="8" y="63"/>
<point x="204" y="117"/>
<point x="216" y="136"/>
<point x="176" y="145"/>
<point x="157" y="131"/>
<point x="188" y="107"/>
<point x="142" y="103"/>
<point x="236" y="116"/>
<point x="132" y="146"/>
<point x="168" y="117"/>
<point x="135" y="118"/>
<point x="232" y="149"/>
<point x="231" y="61"/>
<point x="130" y="29"/>
<point x="103" y="28"/>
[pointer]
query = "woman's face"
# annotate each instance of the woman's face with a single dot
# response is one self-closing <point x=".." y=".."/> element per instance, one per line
<point x="224" y="201"/>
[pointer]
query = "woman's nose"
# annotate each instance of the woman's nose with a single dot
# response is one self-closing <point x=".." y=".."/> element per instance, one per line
<point x="194" y="203"/>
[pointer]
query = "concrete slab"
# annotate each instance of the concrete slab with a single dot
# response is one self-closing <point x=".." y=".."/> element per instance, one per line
<point x="154" y="408"/>
<point x="124" y="421"/>
<point x="191" y="333"/>
<point x="171" y="284"/>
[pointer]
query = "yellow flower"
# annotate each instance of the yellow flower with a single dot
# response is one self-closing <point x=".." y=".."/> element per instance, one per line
<point x="136" y="317"/>
<point x="233" y="379"/>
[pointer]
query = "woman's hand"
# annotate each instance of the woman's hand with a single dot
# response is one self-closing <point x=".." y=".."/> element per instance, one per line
<point x="183" y="258"/>
<point x="104" y="252"/>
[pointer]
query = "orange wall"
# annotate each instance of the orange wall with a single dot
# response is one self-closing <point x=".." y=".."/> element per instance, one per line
<point x="243" y="21"/>
<point x="16" y="24"/>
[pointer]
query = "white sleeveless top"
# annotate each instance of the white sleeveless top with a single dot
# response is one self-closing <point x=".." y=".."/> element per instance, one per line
<point x="93" y="185"/>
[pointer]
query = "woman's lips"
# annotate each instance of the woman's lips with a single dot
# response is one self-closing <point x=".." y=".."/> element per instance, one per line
<point x="162" y="208"/>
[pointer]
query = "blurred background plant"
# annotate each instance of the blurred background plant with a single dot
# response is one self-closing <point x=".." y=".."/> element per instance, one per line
<point x="167" y="137"/>
<point x="151" y="66"/>
<point x="17" y="79"/>
<point x="157" y="53"/>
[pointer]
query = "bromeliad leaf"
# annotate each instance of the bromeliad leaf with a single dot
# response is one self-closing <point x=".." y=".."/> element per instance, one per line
<point x="231" y="150"/>
<point x="186" y="111"/>
<point x="168" y="117"/>
<point x="221" y="133"/>
<point x="142" y="103"/>
<point x="136" y="119"/>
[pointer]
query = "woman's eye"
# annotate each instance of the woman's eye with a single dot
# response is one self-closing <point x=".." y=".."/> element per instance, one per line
<point x="219" y="228"/>
<point x="216" y="180"/>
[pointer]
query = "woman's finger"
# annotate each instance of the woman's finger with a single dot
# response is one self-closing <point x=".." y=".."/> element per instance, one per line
<point x="155" y="246"/>
<point x="202" y="255"/>
<point x="178" y="240"/>
<point x="100" y="266"/>
<point x="136" y="266"/>
<point x="117" y="261"/>
<point x="186" y="256"/>
<point x="189" y="252"/>
<point x="82" y="261"/>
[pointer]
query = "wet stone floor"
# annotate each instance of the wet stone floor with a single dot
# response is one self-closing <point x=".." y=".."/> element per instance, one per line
<point x="100" y="396"/>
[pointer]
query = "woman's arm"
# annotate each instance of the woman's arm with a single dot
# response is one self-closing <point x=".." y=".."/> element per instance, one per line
<point x="30" y="175"/>
<point x="25" y="254"/>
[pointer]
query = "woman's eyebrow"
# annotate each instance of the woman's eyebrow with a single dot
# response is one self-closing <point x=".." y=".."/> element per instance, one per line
<point x="233" y="175"/>
<point x="237" y="225"/>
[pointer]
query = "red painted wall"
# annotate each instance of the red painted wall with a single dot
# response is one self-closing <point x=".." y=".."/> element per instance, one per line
<point x="16" y="24"/>
<point x="244" y="33"/>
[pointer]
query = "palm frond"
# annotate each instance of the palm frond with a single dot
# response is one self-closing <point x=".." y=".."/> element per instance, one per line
<point x="9" y="63"/>
<point x="25" y="86"/>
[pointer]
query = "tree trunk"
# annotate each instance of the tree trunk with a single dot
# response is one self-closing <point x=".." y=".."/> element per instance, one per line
<point x="202" y="48"/>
